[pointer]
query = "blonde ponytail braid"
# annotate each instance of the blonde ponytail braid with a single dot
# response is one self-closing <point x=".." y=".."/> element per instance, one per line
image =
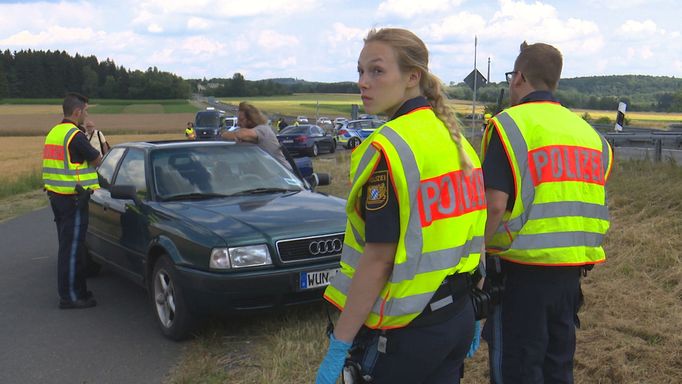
<point x="433" y="93"/>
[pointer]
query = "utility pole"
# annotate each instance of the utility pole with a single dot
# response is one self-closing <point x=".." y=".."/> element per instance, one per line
<point x="473" y="106"/>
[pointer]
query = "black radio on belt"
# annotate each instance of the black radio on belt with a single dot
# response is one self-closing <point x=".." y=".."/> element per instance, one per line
<point x="494" y="281"/>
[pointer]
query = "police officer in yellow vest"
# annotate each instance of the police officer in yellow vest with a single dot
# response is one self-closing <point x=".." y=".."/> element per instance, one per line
<point x="545" y="169"/>
<point x="69" y="176"/>
<point x="416" y="214"/>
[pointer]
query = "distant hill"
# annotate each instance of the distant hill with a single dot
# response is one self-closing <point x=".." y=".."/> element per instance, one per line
<point x="640" y="92"/>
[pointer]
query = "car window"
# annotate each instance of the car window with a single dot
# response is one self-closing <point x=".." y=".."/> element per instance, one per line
<point x="377" y="123"/>
<point x="108" y="166"/>
<point x="207" y="119"/>
<point x="131" y="171"/>
<point x="223" y="170"/>
<point x="293" y="130"/>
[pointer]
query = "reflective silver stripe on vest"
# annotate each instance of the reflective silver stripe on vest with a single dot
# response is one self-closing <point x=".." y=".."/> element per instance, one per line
<point x="557" y="240"/>
<point x="364" y="162"/>
<point x="520" y="149"/>
<point x="350" y="256"/>
<point x="358" y="238"/>
<point x="73" y="172"/>
<point x="65" y="145"/>
<point x="559" y="209"/>
<point x="413" y="237"/>
<point x="435" y="261"/>
<point x="71" y="183"/>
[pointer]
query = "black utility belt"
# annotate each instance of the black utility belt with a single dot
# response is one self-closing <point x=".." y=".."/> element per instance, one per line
<point x="450" y="298"/>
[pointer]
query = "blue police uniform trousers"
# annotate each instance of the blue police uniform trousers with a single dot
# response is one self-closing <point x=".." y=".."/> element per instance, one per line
<point x="71" y="217"/>
<point x="432" y="353"/>
<point x="531" y="334"/>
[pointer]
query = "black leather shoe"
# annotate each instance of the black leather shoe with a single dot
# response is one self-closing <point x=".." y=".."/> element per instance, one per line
<point x="78" y="304"/>
<point x="88" y="295"/>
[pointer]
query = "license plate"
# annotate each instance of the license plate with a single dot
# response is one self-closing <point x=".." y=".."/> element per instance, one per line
<point x="316" y="279"/>
<point x="287" y="141"/>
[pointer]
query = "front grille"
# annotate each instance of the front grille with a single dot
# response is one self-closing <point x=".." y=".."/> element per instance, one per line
<point x="310" y="248"/>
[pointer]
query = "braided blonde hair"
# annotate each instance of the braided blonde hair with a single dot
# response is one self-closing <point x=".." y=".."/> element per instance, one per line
<point x="412" y="53"/>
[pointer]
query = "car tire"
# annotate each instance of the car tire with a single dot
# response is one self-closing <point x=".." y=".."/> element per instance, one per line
<point x="92" y="268"/>
<point x="168" y="302"/>
<point x="332" y="149"/>
<point x="315" y="150"/>
<point x="353" y="142"/>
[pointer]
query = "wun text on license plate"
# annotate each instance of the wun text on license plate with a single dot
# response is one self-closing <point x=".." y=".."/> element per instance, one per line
<point x="316" y="279"/>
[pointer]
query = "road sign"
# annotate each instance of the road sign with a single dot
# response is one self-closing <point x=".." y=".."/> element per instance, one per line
<point x="480" y="79"/>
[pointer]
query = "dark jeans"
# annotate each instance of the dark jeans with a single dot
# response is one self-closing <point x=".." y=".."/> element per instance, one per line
<point x="430" y="354"/>
<point x="531" y="335"/>
<point x="72" y="223"/>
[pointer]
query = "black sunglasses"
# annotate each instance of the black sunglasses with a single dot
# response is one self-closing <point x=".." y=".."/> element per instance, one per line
<point x="508" y="75"/>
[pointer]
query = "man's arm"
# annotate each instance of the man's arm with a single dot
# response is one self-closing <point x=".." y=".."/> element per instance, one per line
<point x="497" y="205"/>
<point x="371" y="275"/>
<point x="248" y="135"/>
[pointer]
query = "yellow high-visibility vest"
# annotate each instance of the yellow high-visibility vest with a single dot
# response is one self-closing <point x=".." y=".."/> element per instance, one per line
<point x="60" y="175"/>
<point x="560" y="165"/>
<point x="442" y="215"/>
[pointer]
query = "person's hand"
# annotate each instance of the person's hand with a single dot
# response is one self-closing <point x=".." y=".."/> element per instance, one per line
<point x="476" y="342"/>
<point x="332" y="364"/>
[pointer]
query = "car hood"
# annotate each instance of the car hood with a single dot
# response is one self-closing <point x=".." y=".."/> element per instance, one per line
<point x="244" y="219"/>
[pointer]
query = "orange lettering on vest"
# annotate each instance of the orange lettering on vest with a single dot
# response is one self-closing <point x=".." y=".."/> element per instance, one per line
<point x="450" y="195"/>
<point x="566" y="163"/>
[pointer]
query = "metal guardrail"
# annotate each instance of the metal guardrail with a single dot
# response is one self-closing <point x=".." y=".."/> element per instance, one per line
<point x="646" y="143"/>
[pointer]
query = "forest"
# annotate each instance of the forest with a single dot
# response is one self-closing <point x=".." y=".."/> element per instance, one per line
<point x="50" y="74"/>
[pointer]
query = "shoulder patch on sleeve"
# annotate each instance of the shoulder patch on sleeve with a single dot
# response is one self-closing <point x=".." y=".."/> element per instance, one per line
<point x="377" y="191"/>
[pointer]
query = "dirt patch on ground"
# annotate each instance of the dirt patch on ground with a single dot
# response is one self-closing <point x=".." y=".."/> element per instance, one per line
<point x="20" y="124"/>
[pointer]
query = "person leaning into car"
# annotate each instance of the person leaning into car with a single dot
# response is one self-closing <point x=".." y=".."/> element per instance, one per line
<point x="254" y="128"/>
<point x="416" y="216"/>
<point x="69" y="176"/>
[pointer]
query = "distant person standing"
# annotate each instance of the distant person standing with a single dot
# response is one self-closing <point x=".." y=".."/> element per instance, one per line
<point x="282" y="124"/>
<point x="253" y="128"/>
<point x="189" y="131"/>
<point x="69" y="175"/>
<point x="96" y="138"/>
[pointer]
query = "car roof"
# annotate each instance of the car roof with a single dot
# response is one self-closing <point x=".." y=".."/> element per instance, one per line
<point x="148" y="145"/>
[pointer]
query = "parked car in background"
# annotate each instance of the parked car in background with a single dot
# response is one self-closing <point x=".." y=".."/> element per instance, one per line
<point x="306" y="139"/>
<point x="351" y="133"/>
<point x="324" y="120"/>
<point x="212" y="227"/>
<point x="302" y="120"/>
<point x="231" y="123"/>
<point x="365" y="116"/>
<point x="339" y="120"/>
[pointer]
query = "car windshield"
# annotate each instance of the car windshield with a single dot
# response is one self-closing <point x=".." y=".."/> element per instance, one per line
<point x="293" y="130"/>
<point x="218" y="171"/>
<point x="207" y="120"/>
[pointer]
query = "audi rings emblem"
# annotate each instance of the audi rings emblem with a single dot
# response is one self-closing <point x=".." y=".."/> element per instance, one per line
<point x="325" y="247"/>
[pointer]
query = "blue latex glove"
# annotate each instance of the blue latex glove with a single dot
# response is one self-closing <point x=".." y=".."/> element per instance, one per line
<point x="332" y="364"/>
<point x="476" y="342"/>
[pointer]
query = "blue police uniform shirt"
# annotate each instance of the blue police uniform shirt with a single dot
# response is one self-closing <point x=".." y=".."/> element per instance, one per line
<point x="379" y="203"/>
<point x="497" y="173"/>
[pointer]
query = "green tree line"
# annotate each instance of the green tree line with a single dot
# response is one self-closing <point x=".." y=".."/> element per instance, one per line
<point x="238" y="86"/>
<point x="50" y="74"/>
<point x="640" y="93"/>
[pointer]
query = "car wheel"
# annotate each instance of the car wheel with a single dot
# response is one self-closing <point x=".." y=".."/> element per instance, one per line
<point x="314" y="151"/>
<point x="353" y="142"/>
<point x="92" y="268"/>
<point x="332" y="149"/>
<point x="168" y="303"/>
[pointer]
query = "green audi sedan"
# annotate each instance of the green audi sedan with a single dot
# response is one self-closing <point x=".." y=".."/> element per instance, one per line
<point x="212" y="227"/>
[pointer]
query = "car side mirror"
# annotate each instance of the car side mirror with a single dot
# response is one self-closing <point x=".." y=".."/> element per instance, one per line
<point x="318" y="179"/>
<point x="124" y="192"/>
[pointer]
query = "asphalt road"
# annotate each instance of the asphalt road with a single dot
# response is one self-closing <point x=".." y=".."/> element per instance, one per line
<point x="115" y="342"/>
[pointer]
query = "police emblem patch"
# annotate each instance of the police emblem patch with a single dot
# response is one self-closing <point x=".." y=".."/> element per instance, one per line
<point x="377" y="191"/>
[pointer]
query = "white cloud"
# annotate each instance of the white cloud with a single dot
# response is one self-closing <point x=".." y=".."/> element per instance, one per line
<point x="53" y="35"/>
<point x="410" y="8"/>
<point x="635" y="28"/>
<point x="199" y="45"/>
<point x="341" y="35"/>
<point x="462" y="25"/>
<point x="198" y="24"/>
<point x="270" y="40"/>
<point x="154" y="28"/>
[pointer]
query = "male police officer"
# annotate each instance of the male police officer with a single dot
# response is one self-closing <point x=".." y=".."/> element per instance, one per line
<point x="545" y="170"/>
<point x="69" y="176"/>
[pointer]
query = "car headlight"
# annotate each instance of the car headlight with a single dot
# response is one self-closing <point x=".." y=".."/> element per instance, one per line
<point x="240" y="257"/>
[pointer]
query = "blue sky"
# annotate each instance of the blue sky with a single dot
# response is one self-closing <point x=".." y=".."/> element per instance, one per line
<point x="320" y="40"/>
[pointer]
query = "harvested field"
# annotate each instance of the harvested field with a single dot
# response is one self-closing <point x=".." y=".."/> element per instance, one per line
<point x="38" y="124"/>
<point x="22" y="155"/>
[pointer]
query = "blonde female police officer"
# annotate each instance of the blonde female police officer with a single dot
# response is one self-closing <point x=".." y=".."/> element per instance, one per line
<point x="416" y="216"/>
